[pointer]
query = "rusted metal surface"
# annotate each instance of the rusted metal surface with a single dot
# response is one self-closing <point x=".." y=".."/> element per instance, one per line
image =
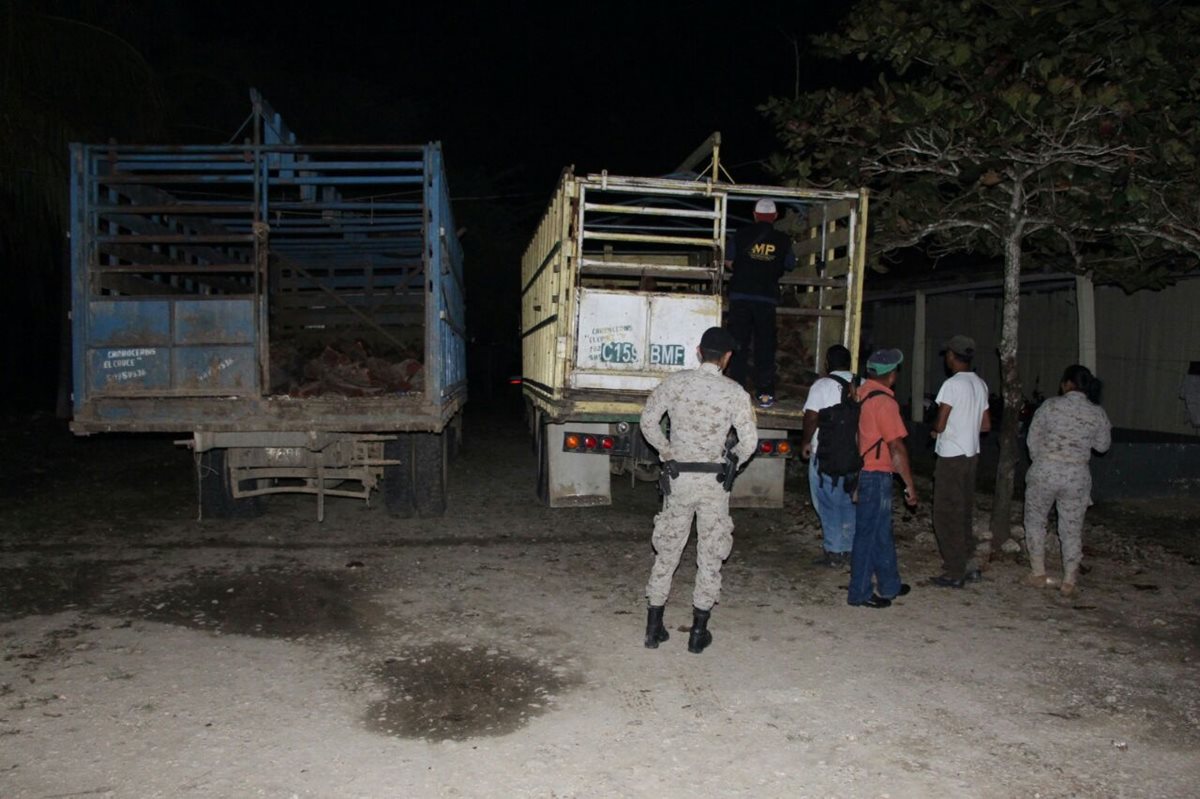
<point x="185" y="414"/>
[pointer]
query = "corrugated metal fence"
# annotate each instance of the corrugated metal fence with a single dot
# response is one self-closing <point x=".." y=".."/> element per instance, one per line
<point x="1144" y="344"/>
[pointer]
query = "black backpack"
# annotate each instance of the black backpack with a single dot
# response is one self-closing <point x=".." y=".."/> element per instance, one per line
<point x="838" y="455"/>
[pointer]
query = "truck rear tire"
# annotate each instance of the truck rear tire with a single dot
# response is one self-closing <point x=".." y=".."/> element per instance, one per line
<point x="397" y="481"/>
<point x="216" y="492"/>
<point x="429" y="473"/>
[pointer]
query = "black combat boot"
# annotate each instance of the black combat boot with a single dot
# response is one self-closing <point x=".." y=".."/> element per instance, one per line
<point x="656" y="633"/>
<point x="700" y="636"/>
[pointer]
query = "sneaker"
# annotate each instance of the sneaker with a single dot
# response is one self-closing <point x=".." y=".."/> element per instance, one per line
<point x="766" y="400"/>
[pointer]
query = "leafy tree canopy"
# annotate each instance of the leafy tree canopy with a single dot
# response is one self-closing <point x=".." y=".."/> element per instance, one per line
<point x="1068" y="130"/>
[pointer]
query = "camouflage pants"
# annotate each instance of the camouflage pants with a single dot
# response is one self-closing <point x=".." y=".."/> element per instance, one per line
<point x="1069" y="485"/>
<point x="697" y="496"/>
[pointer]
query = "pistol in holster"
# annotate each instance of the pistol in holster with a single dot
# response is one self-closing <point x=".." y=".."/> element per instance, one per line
<point x="668" y="472"/>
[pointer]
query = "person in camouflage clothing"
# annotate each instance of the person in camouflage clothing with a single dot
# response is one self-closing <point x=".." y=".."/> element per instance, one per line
<point x="1062" y="435"/>
<point x="702" y="405"/>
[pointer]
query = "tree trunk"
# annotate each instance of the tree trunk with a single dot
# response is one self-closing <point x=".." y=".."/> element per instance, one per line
<point x="1011" y="390"/>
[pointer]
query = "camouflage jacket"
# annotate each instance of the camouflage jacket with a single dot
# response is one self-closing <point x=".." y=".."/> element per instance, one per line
<point x="702" y="405"/>
<point x="1066" y="429"/>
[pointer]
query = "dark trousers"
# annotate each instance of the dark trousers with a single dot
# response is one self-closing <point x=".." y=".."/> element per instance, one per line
<point x="954" y="512"/>
<point x="873" y="566"/>
<point x="753" y="320"/>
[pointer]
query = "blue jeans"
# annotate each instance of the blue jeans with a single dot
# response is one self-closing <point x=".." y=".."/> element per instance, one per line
<point x="835" y="508"/>
<point x="874" y="553"/>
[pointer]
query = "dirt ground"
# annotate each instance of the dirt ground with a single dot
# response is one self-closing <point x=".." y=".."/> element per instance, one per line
<point x="497" y="652"/>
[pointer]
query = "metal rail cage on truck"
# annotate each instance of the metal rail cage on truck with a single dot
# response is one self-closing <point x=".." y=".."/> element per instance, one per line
<point x="297" y="309"/>
<point x="621" y="279"/>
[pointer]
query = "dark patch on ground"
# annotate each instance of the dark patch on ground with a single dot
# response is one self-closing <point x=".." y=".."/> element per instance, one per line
<point x="265" y="603"/>
<point x="45" y="587"/>
<point x="454" y="692"/>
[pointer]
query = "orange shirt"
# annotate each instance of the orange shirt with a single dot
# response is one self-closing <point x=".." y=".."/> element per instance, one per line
<point x="878" y="419"/>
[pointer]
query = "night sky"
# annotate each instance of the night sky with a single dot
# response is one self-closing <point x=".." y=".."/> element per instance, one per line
<point x="511" y="89"/>
<point x="514" y="91"/>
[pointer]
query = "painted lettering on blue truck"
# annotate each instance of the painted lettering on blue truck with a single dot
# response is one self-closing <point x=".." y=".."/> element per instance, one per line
<point x="126" y="363"/>
<point x="667" y="354"/>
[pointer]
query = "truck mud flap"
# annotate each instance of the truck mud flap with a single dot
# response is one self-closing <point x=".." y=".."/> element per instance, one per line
<point x="571" y="479"/>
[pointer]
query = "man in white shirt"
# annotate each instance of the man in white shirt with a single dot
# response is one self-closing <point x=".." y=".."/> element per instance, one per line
<point x="833" y="503"/>
<point x="962" y="416"/>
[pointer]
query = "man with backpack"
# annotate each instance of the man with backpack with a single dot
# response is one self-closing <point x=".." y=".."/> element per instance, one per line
<point x="831" y="416"/>
<point x="881" y="434"/>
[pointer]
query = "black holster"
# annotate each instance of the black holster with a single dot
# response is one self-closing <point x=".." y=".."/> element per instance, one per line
<point x="668" y="472"/>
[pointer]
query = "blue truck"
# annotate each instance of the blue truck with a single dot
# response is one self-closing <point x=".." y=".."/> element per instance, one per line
<point x="298" y="310"/>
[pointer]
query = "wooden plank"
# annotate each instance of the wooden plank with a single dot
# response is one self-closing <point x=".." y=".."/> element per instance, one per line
<point x="829" y="212"/>
<point x="341" y="317"/>
<point x="174" y="269"/>
<point x="830" y="312"/>
<point x="837" y="267"/>
<point x="150" y="196"/>
<point x="834" y="239"/>
<point x="310" y="299"/>
<point x="149" y="231"/>
<point x="793" y="279"/>
<point x="648" y="270"/>
<point x="135" y="254"/>
<point x="178" y="208"/>
<point x="135" y="285"/>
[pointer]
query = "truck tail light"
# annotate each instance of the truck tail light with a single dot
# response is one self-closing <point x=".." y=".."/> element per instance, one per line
<point x="596" y="444"/>
<point x="774" y="447"/>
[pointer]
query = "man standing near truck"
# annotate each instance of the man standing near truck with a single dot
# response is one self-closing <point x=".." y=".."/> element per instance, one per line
<point x="703" y="406"/>
<point x="761" y="254"/>
<point x="962" y="415"/>
<point x="831" y="495"/>
<point x="874" y="571"/>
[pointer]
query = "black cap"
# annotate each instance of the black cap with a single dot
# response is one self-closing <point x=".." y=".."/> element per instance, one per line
<point x="718" y="339"/>
<point x="960" y="345"/>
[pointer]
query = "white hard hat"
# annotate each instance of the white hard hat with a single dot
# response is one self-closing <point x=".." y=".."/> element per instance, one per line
<point x="764" y="207"/>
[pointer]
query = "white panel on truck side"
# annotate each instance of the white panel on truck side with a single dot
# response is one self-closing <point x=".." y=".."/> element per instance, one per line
<point x="676" y="325"/>
<point x="612" y="331"/>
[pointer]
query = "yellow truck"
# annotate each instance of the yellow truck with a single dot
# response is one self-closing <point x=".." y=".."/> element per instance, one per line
<point x="623" y="276"/>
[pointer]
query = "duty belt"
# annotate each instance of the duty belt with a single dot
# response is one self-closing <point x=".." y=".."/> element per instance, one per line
<point x="672" y="469"/>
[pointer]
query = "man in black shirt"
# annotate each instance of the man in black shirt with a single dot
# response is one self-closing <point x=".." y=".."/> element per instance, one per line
<point x="760" y="256"/>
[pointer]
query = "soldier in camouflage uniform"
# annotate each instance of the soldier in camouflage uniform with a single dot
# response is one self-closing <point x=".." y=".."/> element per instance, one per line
<point x="1062" y="435"/>
<point x="702" y="405"/>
